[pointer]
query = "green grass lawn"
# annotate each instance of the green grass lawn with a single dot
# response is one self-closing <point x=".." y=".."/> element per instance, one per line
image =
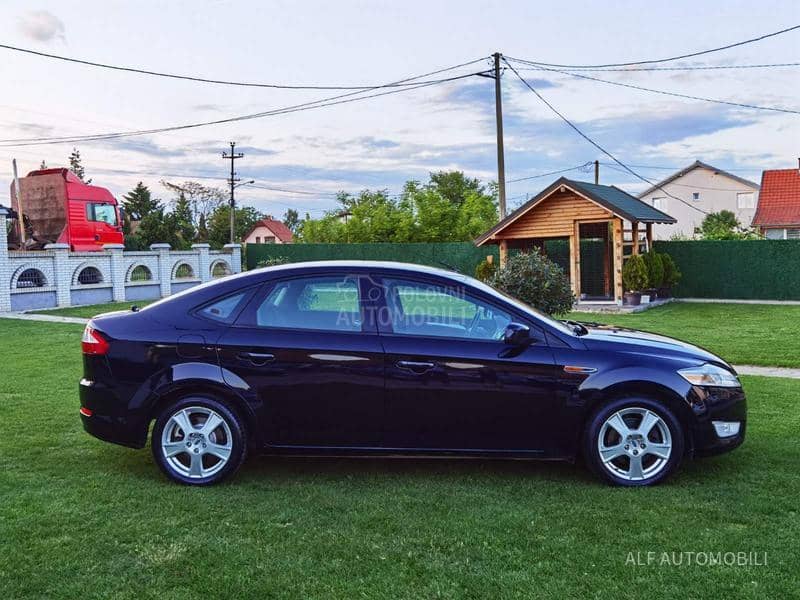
<point x="83" y="519"/>
<point x="745" y="334"/>
<point x="90" y="310"/>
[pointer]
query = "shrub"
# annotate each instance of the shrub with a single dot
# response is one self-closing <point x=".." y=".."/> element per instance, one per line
<point x="655" y="269"/>
<point x="634" y="274"/>
<point x="485" y="270"/>
<point x="672" y="275"/>
<point x="534" y="279"/>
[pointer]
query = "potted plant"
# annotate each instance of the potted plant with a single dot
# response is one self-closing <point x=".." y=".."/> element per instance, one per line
<point x="634" y="279"/>
<point x="671" y="276"/>
<point x="655" y="273"/>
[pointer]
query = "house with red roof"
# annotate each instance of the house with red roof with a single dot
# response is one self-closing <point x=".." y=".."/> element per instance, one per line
<point x="778" y="213"/>
<point x="269" y="231"/>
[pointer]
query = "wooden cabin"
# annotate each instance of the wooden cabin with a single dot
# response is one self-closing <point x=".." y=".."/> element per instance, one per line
<point x="589" y="229"/>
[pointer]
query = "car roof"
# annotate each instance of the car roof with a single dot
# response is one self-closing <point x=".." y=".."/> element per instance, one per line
<point x="362" y="265"/>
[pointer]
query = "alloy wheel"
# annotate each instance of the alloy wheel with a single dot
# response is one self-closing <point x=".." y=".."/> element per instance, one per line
<point x="634" y="444"/>
<point x="196" y="442"/>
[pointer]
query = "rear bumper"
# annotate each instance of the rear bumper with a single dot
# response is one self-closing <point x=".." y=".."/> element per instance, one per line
<point x="717" y="404"/>
<point x="103" y="423"/>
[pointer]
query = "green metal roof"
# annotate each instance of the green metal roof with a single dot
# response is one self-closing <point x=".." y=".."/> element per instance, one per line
<point x="621" y="203"/>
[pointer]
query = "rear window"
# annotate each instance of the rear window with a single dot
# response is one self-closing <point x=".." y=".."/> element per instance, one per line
<point x="222" y="310"/>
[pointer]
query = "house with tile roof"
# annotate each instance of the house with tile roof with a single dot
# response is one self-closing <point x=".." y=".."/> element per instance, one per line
<point x="269" y="231"/>
<point x="691" y="193"/>
<point x="778" y="214"/>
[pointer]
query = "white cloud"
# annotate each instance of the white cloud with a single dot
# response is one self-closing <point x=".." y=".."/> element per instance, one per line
<point x="42" y="26"/>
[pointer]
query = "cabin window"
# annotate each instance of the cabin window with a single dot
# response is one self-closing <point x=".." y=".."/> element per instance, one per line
<point x="105" y="213"/>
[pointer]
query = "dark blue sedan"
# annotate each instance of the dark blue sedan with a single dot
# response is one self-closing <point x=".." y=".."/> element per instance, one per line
<point x="375" y="358"/>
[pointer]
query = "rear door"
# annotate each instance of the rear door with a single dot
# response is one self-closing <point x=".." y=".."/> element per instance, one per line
<point x="316" y="363"/>
<point x="451" y="383"/>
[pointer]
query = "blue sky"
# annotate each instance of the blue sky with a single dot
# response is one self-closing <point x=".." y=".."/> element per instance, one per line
<point x="380" y="143"/>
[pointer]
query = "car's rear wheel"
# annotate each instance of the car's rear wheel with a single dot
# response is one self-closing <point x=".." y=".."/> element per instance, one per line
<point x="198" y="441"/>
<point x="633" y="442"/>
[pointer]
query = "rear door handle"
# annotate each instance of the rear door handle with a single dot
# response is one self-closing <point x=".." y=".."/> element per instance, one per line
<point x="257" y="358"/>
<point x="415" y="366"/>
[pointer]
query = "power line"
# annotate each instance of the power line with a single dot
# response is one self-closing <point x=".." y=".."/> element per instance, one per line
<point x="592" y="142"/>
<point x="330" y="101"/>
<point x="686" y="68"/>
<point x="664" y="168"/>
<point x="277" y="86"/>
<point x="671" y="58"/>
<point x="675" y="94"/>
<point x="575" y="168"/>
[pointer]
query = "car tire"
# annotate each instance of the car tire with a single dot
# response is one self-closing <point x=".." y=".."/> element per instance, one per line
<point x="633" y="442"/>
<point x="198" y="440"/>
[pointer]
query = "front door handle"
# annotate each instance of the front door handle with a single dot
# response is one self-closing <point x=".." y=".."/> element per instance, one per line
<point x="415" y="366"/>
<point x="257" y="358"/>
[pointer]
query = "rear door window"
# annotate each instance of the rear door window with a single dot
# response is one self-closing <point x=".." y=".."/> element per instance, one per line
<point x="327" y="303"/>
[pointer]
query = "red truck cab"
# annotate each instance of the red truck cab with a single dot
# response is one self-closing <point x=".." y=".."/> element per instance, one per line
<point x="59" y="208"/>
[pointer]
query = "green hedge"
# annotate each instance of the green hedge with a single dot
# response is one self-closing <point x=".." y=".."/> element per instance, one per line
<point x="751" y="270"/>
<point x="748" y="270"/>
<point x="463" y="256"/>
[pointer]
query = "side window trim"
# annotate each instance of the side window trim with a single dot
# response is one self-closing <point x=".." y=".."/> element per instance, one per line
<point x="246" y="318"/>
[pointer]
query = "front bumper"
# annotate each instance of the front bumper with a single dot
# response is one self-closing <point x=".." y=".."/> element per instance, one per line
<point x="711" y="404"/>
<point x="103" y="423"/>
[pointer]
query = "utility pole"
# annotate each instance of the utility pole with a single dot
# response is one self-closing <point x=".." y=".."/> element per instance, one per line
<point x="232" y="181"/>
<point x="501" y="161"/>
<point x="596" y="172"/>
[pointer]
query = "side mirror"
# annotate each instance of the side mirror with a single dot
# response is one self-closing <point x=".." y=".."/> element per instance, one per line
<point x="517" y="334"/>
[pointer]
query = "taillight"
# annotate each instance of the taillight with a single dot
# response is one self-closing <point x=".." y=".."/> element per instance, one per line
<point x="93" y="342"/>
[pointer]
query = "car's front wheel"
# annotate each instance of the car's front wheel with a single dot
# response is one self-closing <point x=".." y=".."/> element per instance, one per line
<point x="198" y="441"/>
<point x="633" y="442"/>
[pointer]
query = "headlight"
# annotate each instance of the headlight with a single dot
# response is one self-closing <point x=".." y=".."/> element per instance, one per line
<point x="710" y="375"/>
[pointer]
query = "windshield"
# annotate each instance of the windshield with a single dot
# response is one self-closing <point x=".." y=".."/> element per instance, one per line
<point x="554" y="323"/>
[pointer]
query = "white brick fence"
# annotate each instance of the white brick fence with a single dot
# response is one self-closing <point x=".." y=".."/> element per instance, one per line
<point x="57" y="277"/>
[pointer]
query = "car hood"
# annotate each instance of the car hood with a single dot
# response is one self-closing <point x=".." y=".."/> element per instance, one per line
<point x="610" y="338"/>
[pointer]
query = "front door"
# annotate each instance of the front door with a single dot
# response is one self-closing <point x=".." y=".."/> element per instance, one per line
<point x="451" y="383"/>
<point x="317" y="367"/>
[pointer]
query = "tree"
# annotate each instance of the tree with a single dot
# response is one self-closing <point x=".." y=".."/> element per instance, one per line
<point x="76" y="166"/>
<point x="219" y="225"/>
<point x="449" y="208"/>
<point x="291" y="219"/>
<point x="202" y="199"/>
<point x="156" y="227"/>
<point x="724" y="225"/>
<point x="139" y="202"/>
<point x="181" y="217"/>
<point x="454" y="186"/>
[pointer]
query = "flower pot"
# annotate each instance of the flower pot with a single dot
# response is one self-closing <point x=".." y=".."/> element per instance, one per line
<point x="664" y="292"/>
<point x="632" y="298"/>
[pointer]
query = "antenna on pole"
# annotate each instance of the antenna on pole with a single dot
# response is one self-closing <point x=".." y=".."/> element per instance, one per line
<point x="232" y="181"/>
